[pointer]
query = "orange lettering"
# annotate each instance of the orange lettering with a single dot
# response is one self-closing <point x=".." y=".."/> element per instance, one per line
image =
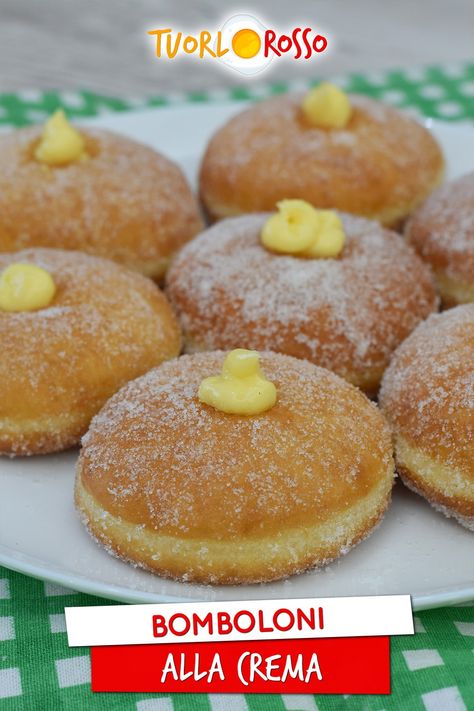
<point x="204" y="39"/>
<point x="219" y="50"/>
<point x="159" y="34"/>
<point x="172" y="51"/>
<point x="190" y="44"/>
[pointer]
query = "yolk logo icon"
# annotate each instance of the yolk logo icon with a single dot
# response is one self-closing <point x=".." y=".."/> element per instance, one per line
<point x="245" y="36"/>
<point x="246" y="43"/>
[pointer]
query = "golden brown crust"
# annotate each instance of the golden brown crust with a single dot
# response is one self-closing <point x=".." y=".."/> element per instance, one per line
<point x="347" y="314"/>
<point x="230" y="562"/>
<point x="194" y="478"/>
<point x="442" y="232"/>
<point x="427" y="395"/>
<point x="60" y="364"/>
<point x="381" y="166"/>
<point x="126" y="202"/>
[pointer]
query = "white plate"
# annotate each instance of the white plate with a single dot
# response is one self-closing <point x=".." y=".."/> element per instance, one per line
<point x="415" y="550"/>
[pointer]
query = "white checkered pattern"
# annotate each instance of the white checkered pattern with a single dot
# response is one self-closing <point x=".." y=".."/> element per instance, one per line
<point x="73" y="671"/>
<point x="422" y="659"/>
<point x="448" y="699"/>
<point x="10" y="683"/>
<point x="7" y="628"/>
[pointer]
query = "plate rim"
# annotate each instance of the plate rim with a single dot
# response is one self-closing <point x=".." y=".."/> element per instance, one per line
<point x="79" y="584"/>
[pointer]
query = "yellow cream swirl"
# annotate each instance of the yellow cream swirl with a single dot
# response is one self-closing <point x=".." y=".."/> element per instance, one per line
<point x="241" y="388"/>
<point x="327" y="106"/>
<point x="300" y="229"/>
<point x="60" y="143"/>
<point x="25" y="287"/>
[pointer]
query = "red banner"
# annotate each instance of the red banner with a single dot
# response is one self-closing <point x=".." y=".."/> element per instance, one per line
<point x="352" y="665"/>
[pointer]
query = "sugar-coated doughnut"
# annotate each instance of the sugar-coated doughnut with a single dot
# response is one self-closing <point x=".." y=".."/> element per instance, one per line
<point x="189" y="492"/>
<point x="427" y="395"/>
<point x="346" y="314"/>
<point x="125" y="201"/>
<point x="59" y="364"/>
<point x="442" y="232"/>
<point x="381" y="165"/>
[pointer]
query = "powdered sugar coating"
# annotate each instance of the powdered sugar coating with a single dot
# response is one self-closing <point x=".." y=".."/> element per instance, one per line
<point x="125" y="202"/>
<point x="59" y="364"/>
<point x="380" y="165"/>
<point x="442" y="229"/>
<point x="427" y="392"/>
<point x="157" y="457"/>
<point x="346" y="314"/>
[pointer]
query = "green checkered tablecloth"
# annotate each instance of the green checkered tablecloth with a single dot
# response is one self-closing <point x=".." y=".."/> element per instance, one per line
<point x="431" y="671"/>
<point x="445" y="93"/>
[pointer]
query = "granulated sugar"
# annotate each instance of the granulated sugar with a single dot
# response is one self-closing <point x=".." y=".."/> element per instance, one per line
<point x="347" y="314"/>
<point x="442" y="230"/>
<point x="155" y="454"/>
<point x="428" y="390"/>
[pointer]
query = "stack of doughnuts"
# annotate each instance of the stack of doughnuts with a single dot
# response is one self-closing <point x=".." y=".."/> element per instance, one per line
<point x="257" y="454"/>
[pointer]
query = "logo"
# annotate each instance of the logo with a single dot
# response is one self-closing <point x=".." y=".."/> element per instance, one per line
<point x="243" y="43"/>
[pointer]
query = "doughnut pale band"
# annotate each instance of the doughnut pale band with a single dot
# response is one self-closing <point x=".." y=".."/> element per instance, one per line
<point x="453" y="291"/>
<point x="104" y="326"/>
<point x="437" y="479"/>
<point x="249" y="560"/>
<point x="427" y="396"/>
<point x="188" y="491"/>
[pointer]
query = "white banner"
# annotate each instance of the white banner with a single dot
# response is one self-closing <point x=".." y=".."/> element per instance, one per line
<point x="239" y="620"/>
